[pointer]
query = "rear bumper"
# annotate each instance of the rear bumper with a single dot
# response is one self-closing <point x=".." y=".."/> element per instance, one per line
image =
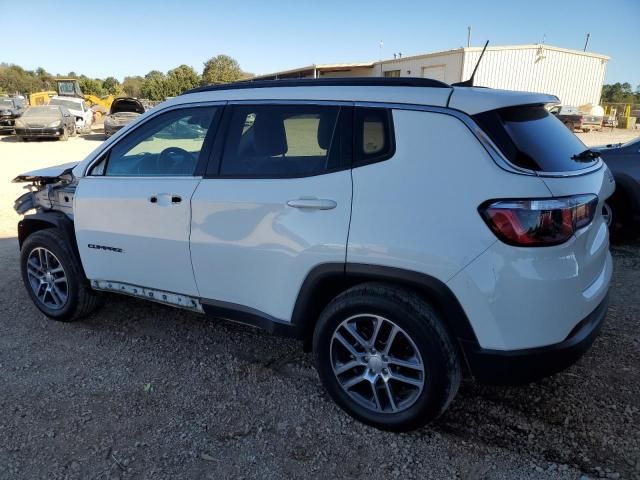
<point x="111" y="129"/>
<point x="514" y="367"/>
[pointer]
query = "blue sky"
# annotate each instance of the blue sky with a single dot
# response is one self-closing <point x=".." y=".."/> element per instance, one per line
<point x="121" y="38"/>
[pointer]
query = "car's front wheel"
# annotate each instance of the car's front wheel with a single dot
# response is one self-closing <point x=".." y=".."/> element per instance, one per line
<point x="384" y="356"/>
<point x="54" y="279"/>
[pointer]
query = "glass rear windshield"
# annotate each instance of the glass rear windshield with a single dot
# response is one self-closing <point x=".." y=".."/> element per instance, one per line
<point x="531" y="137"/>
<point x="5" y="102"/>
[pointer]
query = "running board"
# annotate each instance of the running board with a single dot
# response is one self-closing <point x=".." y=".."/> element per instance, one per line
<point x="160" y="296"/>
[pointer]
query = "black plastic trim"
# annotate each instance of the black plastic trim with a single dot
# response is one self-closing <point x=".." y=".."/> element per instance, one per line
<point x="514" y="367"/>
<point x="325" y="82"/>
<point x="249" y="316"/>
<point x="50" y="219"/>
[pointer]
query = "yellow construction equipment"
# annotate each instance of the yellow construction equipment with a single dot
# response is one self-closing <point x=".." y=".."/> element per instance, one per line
<point x="41" y="98"/>
<point x="70" y="87"/>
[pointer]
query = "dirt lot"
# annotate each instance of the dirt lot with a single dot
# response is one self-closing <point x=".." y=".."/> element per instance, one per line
<point x="142" y="391"/>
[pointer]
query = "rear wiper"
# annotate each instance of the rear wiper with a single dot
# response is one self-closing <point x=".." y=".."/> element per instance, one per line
<point x="587" y="155"/>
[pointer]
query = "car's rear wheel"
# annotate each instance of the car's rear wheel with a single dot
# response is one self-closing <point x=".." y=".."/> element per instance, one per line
<point x="384" y="356"/>
<point x="54" y="279"/>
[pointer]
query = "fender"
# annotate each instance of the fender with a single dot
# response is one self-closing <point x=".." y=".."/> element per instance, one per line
<point x="631" y="190"/>
<point x="50" y="219"/>
<point x="326" y="281"/>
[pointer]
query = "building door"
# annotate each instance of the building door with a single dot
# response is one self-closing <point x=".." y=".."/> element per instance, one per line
<point x="436" y="72"/>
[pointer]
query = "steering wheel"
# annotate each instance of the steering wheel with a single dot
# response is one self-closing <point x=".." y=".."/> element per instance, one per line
<point x="170" y="157"/>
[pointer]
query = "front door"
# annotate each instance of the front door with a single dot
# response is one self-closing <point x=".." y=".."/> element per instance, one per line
<point x="133" y="209"/>
<point x="276" y="205"/>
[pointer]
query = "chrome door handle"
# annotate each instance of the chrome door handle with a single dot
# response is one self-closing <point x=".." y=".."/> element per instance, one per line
<point x="313" y="203"/>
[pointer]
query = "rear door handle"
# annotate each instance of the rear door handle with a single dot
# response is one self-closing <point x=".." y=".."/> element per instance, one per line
<point x="313" y="204"/>
<point x="164" y="199"/>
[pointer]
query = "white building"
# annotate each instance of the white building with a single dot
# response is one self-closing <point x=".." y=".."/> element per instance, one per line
<point x="575" y="77"/>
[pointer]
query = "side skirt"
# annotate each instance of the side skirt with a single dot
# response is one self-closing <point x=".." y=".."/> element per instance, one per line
<point x="224" y="310"/>
<point x="159" y="296"/>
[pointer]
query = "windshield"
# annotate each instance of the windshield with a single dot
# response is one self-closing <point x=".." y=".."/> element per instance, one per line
<point x="531" y="137"/>
<point x="53" y="112"/>
<point x="6" y="103"/>
<point x="71" y="105"/>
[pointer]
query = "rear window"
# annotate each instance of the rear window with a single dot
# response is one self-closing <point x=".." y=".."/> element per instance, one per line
<point x="531" y="137"/>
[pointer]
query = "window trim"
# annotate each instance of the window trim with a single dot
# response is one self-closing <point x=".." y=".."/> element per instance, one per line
<point x="358" y="153"/>
<point x="214" y="168"/>
<point x="203" y="157"/>
<point x="106" y="147"/>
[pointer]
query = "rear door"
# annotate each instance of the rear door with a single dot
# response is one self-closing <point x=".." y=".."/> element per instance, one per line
<point x="275" y="204"/>
<point x="132" y="211"/>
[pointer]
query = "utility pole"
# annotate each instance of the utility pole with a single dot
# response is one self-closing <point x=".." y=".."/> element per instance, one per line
<point x="468" y="36"/>
<point x="586" y="42"/>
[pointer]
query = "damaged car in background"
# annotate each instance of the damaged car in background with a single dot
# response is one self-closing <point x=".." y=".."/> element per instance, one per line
<point x="11" y="108"/>
<point x="123" y="111"/>
<point x="79" y="109"/>
<point x="52" y="121"/>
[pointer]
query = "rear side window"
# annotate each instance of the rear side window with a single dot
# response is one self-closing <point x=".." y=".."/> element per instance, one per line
<point x="282" y="141"/>
<point x="531" y="137"/>
<point x="374" y="135"/>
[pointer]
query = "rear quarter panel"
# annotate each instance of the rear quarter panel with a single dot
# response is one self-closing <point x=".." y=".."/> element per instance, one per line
<point x="419" y="209"/>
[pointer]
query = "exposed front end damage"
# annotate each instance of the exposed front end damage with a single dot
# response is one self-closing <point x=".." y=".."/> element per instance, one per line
<point x="50" y="189"/>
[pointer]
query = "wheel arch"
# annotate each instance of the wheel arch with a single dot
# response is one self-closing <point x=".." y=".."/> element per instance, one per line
<point x="33" y="223"/>
<point x="628" y="189"/>
<point x="327" y="281"/>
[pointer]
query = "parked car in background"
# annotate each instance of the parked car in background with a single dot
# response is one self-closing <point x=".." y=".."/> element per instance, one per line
<point x="407" y="231"/>
<point x="123" y="110"/>
<point x="574" y="119"/>
<point x="79" y="109"/>
<point x="11" y="108"/>
<point x="623" y="159"/>
<point x="53" y="121"/>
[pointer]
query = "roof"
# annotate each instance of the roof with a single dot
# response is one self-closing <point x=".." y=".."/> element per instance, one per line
<point x="401" y="90"/>
<point x="494" y="48"/>
<point x="325" y="82"/>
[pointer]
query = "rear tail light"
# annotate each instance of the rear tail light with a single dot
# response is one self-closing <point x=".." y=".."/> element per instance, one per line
<point x="539" y="223"/>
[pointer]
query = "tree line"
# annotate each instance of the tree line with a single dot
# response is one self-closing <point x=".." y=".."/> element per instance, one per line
<point x="620" y="93"/>
<point x="155" y="85"/>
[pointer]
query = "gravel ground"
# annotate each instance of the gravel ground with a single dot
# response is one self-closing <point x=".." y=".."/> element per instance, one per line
<point x="139" y="390"/>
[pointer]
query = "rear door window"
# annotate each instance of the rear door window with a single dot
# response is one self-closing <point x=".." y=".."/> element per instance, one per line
<point x="282" y="141"/>
<point x="531" y="137"/>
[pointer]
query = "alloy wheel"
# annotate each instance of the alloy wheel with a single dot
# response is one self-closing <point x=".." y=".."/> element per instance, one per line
<point x="47" y="278"/>
<point x="377" y="363"/>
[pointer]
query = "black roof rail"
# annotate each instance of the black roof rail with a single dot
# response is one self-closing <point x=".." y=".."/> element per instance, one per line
<point x="325" y="82"/>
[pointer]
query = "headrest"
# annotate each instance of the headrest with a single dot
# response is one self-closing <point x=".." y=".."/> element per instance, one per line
<point x="270" y="138"/>
<point x="325" y="129"/>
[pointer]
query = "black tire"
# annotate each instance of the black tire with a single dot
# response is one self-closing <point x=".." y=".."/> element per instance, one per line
<point x="65" y="135"/>
<point x="442" y="370"/>
<point x="621" y="226"/>
<point x="81" y="300"/>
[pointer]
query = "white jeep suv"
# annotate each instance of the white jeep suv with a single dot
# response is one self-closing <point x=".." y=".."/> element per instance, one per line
<point x="407" y="231"/>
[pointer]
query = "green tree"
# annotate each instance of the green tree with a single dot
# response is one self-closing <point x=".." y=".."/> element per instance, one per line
<point x="91" y="86"/>
<point x="15" y="79"/>
<point x="221" y="69"/>
<point x="132" y="86"/>
<point x="181" y="79"/>
<point x="155" y="86"/>
<point x="111" y="85"/>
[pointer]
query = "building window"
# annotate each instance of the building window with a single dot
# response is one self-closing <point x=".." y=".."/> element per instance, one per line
<point x="392" y="73"/>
